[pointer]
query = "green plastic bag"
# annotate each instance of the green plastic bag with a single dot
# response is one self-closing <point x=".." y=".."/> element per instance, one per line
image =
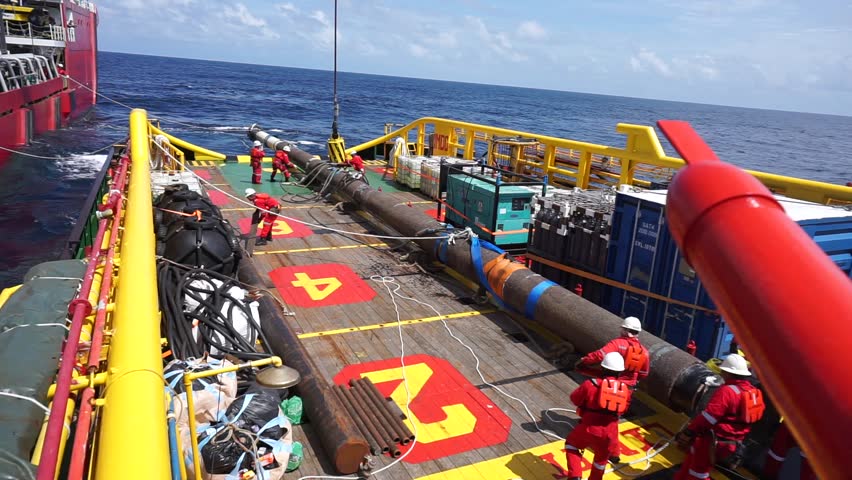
<point x="292" y="408"/>
<point x="295" y="460"/>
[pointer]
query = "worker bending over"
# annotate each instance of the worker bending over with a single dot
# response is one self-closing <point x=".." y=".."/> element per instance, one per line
<point x="267" y="209"/>
<point x="282" y="162"/>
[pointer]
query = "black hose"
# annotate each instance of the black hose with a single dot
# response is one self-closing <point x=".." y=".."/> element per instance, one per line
<point x="213" y="328"/>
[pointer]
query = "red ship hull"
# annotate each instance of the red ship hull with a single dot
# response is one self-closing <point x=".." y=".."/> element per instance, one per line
<point x="35" y="109"/>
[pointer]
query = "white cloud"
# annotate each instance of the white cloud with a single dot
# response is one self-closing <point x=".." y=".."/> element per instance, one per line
<point x="241" y="14"/>
<point x="498" y="43"/>
<point x="320" y="17"/>
<point x="648" y="59"/>
<point x="286" y="8"/>
<point x="532" y="30"/>
<point x="418" y="51"/>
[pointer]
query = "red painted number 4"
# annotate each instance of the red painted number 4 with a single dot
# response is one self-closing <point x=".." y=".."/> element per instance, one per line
<point x="320" y="285"/>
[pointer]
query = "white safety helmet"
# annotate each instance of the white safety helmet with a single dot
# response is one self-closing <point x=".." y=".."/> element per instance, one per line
<point x="613" y="361"/>
<point x="632" y="323"/>
<point x="250" y="192"/>
<point x="257" y="143"/>
<point x="352" y="152"/>
<point x="735" y="364"/>
<point x="286" y="148"/>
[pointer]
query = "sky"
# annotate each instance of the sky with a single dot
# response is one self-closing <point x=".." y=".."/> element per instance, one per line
<point x="776" y="54"/>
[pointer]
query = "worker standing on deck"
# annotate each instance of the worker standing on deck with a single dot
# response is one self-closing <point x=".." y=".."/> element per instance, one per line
<point x="256" y="162"/>
<point x="600" y="402"/>
<point x="355" y="161"/>
<point x="282" y="162"/>
<point x="636" y="359"/>
<point x="782" y="442"/>
<point x="717" y="434"/>
<point x="267" y="209"/>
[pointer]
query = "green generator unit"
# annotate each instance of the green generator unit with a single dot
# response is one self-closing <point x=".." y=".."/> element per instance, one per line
<point x="497" y="212"/>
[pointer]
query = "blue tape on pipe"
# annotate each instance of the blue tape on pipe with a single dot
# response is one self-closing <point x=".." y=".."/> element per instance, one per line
<point x="535" y="294"/>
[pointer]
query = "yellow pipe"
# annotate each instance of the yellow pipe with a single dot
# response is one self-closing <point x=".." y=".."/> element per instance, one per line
<point x="200" y="152"/>
<point x="189" y="377"/>
<point x="66" y="431"/>
<point x="133" y="433"/>
<point x="6" y="293"/>
<point x="81" y="383"/>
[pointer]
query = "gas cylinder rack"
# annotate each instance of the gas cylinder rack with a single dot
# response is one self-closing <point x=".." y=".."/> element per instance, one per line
<point x="572" y="228"/>
<point x="494" y="203"/>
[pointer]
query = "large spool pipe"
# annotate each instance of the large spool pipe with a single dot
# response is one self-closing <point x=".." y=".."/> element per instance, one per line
<point x="677" y="379"/>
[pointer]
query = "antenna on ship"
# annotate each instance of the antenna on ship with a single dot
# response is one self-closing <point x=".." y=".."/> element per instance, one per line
<point x="336" y="146"/>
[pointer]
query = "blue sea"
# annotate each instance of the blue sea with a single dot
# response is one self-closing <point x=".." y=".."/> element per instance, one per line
<point x="212" y="104"/>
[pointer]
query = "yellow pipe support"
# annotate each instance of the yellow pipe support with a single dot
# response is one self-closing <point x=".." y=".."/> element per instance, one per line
<point x="66" y="431"/>
<point x="189" y="377"/>
<point x="82" y="382"/>
<point x="6" y="293"/>
<point x="642" y="150"/>
<point x="133" y="435"/>
<point x="201" y="153"/>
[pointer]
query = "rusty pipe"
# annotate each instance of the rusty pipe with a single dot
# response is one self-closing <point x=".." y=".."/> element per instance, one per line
<point x="405" y="432"/>
<point x="381" y="409"/>
<point x="384" y="437"/>
<point x="375" y="448"/>
<point x="371" y="430"/>
<point x="378" y="417"/>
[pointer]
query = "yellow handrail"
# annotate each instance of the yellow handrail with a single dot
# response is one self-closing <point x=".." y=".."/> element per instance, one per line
<point x="200" y="153"/>
<point x="588" y="165"/>
<point x="133" y="442"/>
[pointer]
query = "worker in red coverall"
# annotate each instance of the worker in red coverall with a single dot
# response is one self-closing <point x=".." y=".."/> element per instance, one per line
<point x="782" y="442"/>
<point x="256" y="162"/>
<point x="717" y="434"/>
<point x="282" y="162"/>
<point x="267" y="209"/>
<point x="355" y="161"/>
<point x="600" y="402"/>
<point x="636" y="360"/>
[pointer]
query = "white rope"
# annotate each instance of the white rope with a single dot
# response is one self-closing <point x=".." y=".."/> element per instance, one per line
<point x="7" y="330"/>
<point x="29" y="399"/>
<point x="451" y="237"/>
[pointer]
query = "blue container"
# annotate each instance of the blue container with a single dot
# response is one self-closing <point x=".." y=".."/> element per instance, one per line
<point x="638" y="243"/>
<point x="642" y="253"/>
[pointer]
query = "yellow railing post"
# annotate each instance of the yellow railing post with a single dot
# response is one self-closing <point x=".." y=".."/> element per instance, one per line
<point x="133" y="440"/>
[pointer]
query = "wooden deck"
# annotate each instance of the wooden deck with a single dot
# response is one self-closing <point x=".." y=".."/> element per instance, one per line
<point x="466" y="429"/>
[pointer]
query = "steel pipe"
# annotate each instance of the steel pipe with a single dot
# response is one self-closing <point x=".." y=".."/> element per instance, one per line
<point x="375" y="448"/>
<point x="381" y="409"/>
<point x="405" y="432"/>
<point x="677" y="379"/>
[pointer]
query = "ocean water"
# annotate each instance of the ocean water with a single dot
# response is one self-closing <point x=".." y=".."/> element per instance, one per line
<point x="212" y="104"/>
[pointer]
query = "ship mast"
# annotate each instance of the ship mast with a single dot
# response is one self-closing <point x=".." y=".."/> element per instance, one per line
<point x="336" y="145"/>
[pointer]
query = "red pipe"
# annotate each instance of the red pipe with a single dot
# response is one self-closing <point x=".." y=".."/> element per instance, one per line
<point x="784" y="299"/>
<point x="84" y="418"/>
<point x="79" y="309"/>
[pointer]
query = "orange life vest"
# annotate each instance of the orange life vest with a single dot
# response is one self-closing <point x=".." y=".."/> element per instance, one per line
<point x="751" y="405"/>
<point x="613" y="395"/>
<point x="634" y="357"/>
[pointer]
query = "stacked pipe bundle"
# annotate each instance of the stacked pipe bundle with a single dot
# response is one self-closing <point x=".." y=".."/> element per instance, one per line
<point x="572" y="227"/>
<point x="379" y="421"/>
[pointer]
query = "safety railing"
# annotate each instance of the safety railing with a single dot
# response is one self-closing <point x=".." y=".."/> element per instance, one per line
<point x="26" y="30"/>
<point x="641" y="162"/>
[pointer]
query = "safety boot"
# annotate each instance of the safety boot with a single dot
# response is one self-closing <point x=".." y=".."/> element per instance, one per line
<point x="260" y="242"/>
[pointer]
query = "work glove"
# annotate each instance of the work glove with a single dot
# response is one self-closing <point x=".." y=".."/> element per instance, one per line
<point x="255" y="218"/>
<point x="684" y="438"/>
<point x="578" y="364"/>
